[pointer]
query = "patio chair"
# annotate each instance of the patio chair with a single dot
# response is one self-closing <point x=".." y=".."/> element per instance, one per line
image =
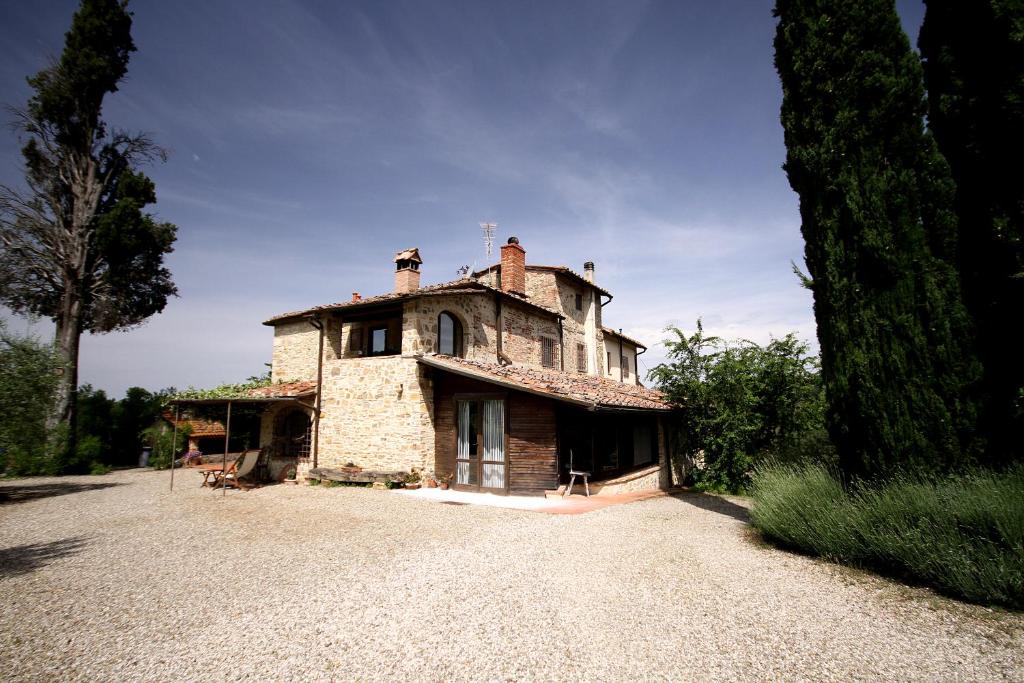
<point x="242" y="467"/>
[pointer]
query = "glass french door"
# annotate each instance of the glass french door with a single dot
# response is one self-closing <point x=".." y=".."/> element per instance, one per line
<point x="480" y="459"/>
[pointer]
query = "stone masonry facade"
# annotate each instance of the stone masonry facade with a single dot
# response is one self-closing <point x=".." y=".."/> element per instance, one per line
<point x="377" y="409"/>
<point x="294" y="358"/>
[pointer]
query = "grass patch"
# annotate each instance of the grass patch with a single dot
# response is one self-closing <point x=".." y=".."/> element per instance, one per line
<point x="963" y="535"/>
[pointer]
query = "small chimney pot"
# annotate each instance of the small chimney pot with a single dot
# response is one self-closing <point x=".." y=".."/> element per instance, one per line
<point x="588" y="271"/>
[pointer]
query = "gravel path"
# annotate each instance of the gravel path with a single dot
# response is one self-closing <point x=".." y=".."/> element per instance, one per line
<point x="113" y="578"/>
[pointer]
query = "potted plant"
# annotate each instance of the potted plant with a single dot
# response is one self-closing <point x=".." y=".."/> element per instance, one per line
<point x="289" y="475"/>
<point x="412" y="480"/>
<point x="445" y="481"/>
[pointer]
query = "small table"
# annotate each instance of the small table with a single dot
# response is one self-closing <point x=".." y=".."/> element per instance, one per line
<point x="572" y="480"/>
<point x="212" y="469"/>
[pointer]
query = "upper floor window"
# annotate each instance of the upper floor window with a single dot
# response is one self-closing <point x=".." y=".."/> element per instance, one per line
<point x="547" y="352"/>
<point x="449" y="335"/>
<point x="624" y="360"/>
<point x="579" y="302"/>
<point x="379" y="340"/>
<point x="581" y="358"/>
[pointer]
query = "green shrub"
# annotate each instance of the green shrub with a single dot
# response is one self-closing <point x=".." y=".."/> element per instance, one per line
<point x="963" y="534"/>
<point x="160" y="437"/>
<point x="741" y="403"/>
<point x="99" y="468"/>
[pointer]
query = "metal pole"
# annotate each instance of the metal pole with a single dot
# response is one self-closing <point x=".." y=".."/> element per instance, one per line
<point x="174" y="442"/>
<point x="224" y="466"/>
<point x="319" y="324"/>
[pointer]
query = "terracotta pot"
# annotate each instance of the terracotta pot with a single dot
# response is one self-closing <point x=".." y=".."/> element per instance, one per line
<point x="443" y="486"/>
<point x="412" y="486"/>
<point x="431" y="484"/>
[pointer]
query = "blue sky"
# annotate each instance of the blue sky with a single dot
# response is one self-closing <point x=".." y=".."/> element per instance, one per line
<point x="311" y="140"/>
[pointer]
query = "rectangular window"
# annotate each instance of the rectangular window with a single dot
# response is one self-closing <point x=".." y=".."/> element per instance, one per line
<point x="608" y="368"/>
<point x="581" y="358"/>
<point x="547" y="352"/>
<point x="378" y="341"/>
<point x="624" y="360"/>
<point x="579" y="302"/>
<point x="355" y="341"/>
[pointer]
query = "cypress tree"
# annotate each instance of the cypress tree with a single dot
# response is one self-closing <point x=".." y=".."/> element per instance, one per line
<point x="973" y="56"/>
<point x="880" y="236"/>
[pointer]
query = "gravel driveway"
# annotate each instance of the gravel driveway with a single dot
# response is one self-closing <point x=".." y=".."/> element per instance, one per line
<point x="113" y="578"/>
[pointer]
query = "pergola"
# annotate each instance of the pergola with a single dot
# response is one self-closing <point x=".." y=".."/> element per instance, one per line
<point x="228" y="402"/>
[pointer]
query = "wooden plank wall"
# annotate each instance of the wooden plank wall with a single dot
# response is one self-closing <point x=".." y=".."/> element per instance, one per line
<point x="532" y="432"/>
<point x="533" y="444"/>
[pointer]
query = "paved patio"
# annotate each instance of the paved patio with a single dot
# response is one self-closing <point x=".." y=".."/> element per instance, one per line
<point x="114" y="578"/>
<point x="575" y="504"/>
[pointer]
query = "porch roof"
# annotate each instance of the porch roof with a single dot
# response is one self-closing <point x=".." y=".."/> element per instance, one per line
<point x="282" y="391"/>
<point x="595" y="393"/>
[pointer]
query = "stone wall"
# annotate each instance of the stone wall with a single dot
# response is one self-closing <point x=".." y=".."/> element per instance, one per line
<point x="558" y="293"/>
<point x="294" y="354"/>
<point x="523" y="332"/>
<point x="475" y="312"/>
<point x="377" y="413"/>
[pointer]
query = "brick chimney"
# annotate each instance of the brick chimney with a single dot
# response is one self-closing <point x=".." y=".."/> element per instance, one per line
<point x="513" y="267"/>
<point x="588" y="271"/>
<point x="356" y="297"/>
<point x="407" y="271"/>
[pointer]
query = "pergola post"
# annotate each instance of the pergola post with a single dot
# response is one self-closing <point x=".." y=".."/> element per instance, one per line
<point x="224" y="467"/>
<point x="174" y="441"/>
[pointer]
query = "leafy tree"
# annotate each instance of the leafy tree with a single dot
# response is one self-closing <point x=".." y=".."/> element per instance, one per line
<point x="880" y="238"/>
<point x="133" y="413"/>
<point x="742" y="404"/>
<point x="78" y="246"/>
<point x="973" y="56"/>
<point x="26" y="389"/>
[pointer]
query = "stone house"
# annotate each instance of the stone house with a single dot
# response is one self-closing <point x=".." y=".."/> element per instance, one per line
<point x="501" y="380"/>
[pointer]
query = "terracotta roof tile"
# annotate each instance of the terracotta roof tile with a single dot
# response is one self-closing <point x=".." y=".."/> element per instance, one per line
<point x="577" y="388"/>
<point x="284" y="390"/>
<point x="200" y="428"/>
<point x="462" y="286"/>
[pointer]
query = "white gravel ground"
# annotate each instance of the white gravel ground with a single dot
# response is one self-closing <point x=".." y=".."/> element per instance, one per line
<point x="122" y="580"/>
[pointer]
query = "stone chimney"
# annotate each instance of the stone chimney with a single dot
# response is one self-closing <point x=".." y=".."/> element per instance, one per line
<point x="588" y="271"/>
<point x="356" y="297"/>
<point x="513" y="267"/>
<point x="407" y="271"/>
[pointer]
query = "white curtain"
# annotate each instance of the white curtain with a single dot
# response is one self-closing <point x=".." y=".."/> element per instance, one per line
<point x="465" y="430"/>
<point x="494" y="444"/>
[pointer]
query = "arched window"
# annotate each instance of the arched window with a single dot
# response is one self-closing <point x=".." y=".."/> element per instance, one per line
<point x="449" y="335"/>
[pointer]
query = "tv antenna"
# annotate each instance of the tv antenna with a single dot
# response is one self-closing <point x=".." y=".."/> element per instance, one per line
<point x="488" y="229"/>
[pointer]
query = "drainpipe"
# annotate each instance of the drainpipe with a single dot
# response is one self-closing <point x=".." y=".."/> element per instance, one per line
<point x="319" y="325"/>
<point x="620" y="356"/>
<point x="561" y="347"/>
<point x="637" y="363"/>
<point x="498" y="321"/>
